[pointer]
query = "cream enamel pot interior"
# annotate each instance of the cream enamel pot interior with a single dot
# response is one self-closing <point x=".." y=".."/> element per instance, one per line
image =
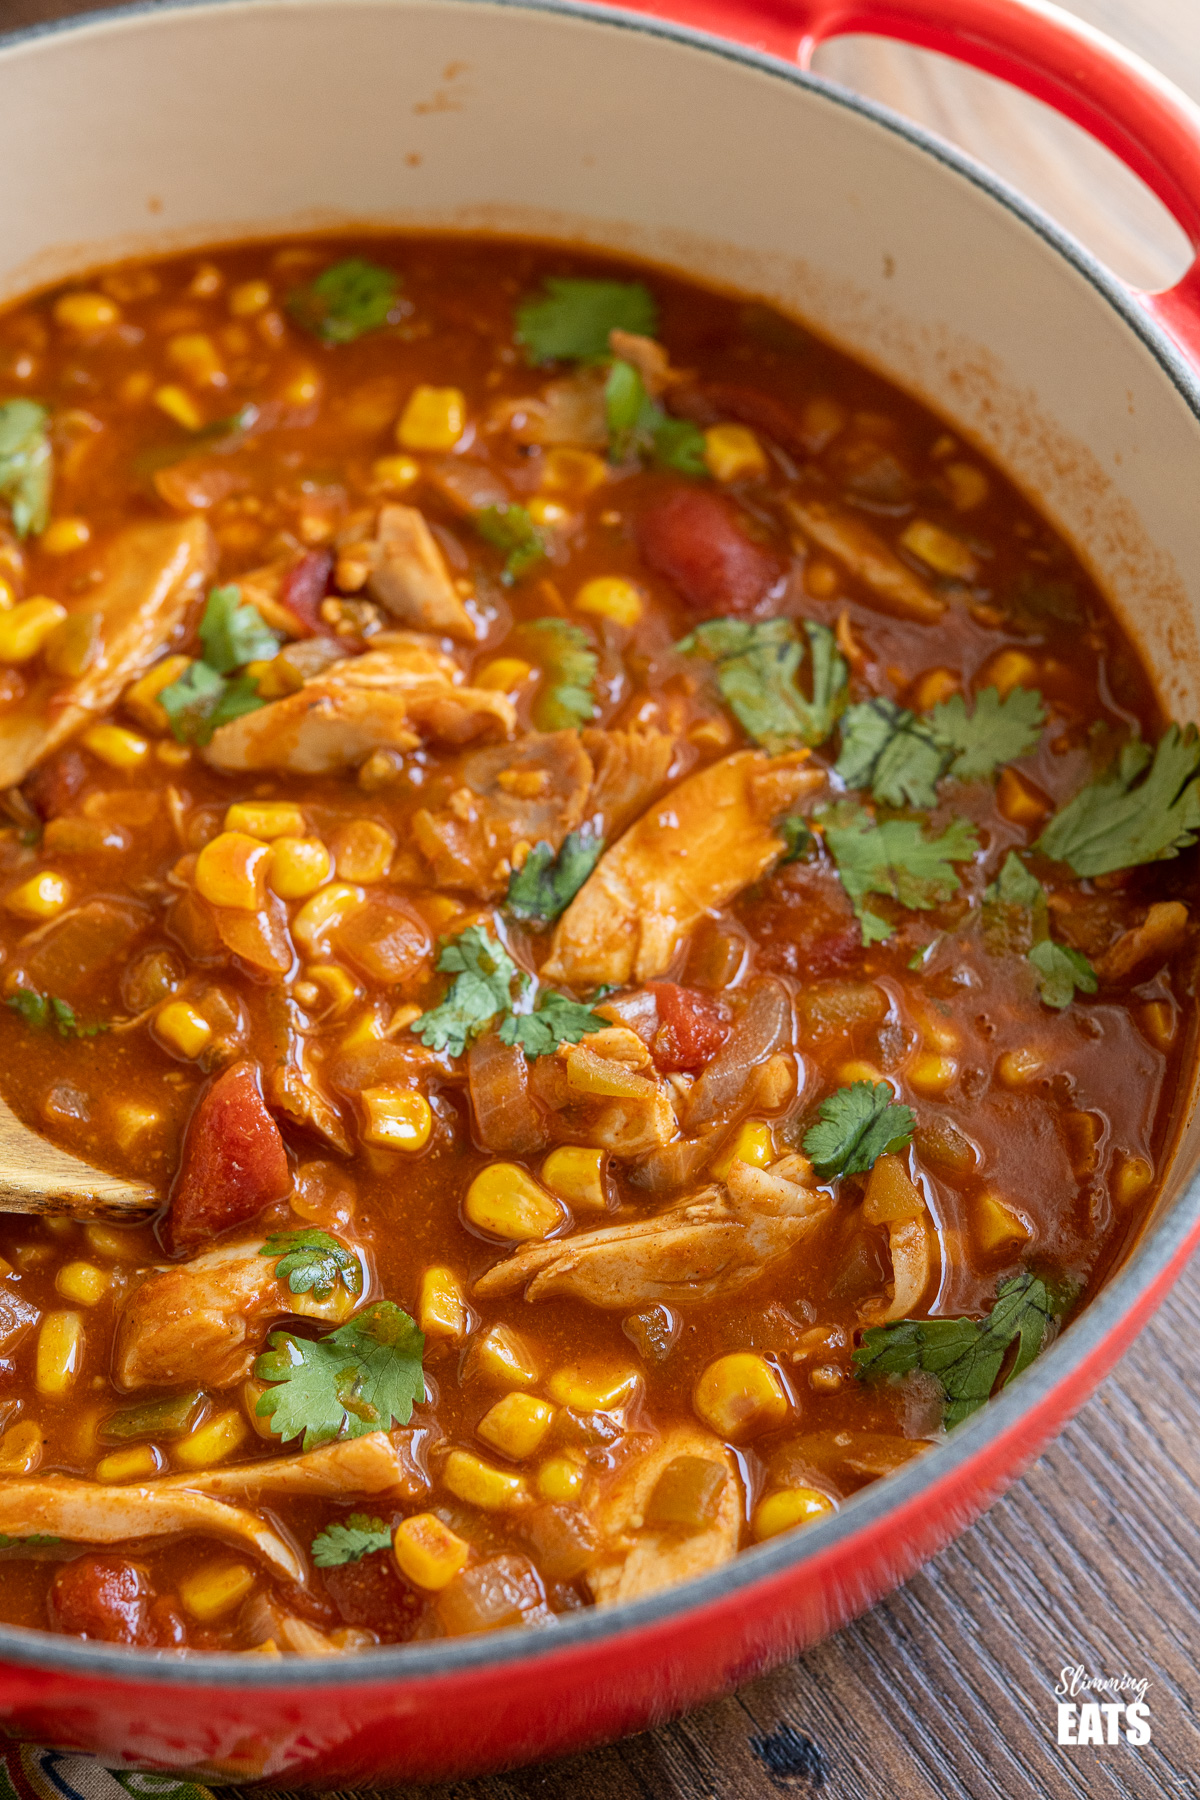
<point x="171" y="126"/>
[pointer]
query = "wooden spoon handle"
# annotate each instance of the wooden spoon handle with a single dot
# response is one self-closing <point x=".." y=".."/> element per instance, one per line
<point x="36" y="1177"/>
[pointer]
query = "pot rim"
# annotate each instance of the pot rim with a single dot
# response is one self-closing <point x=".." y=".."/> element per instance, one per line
<point x="754" y="1570"/>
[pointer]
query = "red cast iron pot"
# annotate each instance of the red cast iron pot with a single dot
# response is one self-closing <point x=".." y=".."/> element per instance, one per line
<point x="159" y="126"/>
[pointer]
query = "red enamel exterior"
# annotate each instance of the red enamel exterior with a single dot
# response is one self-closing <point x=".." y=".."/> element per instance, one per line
<point x="501" y="1704"/>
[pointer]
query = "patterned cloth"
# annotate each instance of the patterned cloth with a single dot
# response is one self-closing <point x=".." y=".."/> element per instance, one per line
<point x="27" y="1773"/>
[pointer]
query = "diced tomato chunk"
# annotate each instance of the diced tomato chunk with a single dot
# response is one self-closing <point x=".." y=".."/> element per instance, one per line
<point x="303" y="588"/>
<point x="371" y="1592"/>
<point x="692" y="537"/>
<point x="803" y="923"/>
<point x="691" y="1027"/>
<point x="103" y="1597"/>
<point x="234" y="1163"/>
<point x="52" y="787"/>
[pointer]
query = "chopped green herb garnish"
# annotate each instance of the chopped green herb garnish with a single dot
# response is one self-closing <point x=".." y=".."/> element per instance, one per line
<point x="349" y="1540"/>
<point x="345" y="301"/>
<point x="36" y="1542"/>
<point x="1061" y="971"/>
<point x="233" y="632"/>
<point x="966" y="1355"/>
<point x="856" y="1125"/>
<point x="201" y="701"/>
<point x="545" y="886"/>
<point x="901" y="757"/>
<point x="482" y="989"/>
<point x="511" y="529"/>
<point x="31" y="1006"/>
<point x="365" y="1376"/>
<point x="757" y="668"/>
<point x="571" y="320"/>
<point x="556" y="1020"/>
<point x="895" y="859"/>
<point x="563" y="651"/>
<point x="43" y="1010"/>
<point x="1016" y="919"/>
<point x="1119" y="821"/>
<point x="795" y="832"/>
<point x="26" y="464"/>
<point x="638" y="426"/>
<point x="312" y="1262"/>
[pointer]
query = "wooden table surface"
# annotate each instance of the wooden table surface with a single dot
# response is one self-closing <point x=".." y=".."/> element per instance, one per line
<point x="945" y="1691"/>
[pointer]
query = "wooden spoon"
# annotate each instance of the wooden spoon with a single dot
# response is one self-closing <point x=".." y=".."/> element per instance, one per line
<point x="37" y="1177"/>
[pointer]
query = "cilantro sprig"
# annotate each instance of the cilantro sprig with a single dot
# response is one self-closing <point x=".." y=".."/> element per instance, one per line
<point x="233" y="632"/>
<point x="757" y="667"/>
<point x="555" y="1020"/>
<point x="346" y="301"/>
<point x="1145" y="808"/>
<point x="312" y="1262"/>
<point x="638" y="425"/>
<point x="1016" y="918"/>
<point x="349" y="1540"/>
<point x="482" y="991"/>
<point x="563" y="651"/>
<point x="43" y="1011"/>
<point x="895" y="859"/>
<point x="510" y="528"/>
<point x="571" y="319"/>
<point x="545" y="886"/>
<point x="966" y="1355"/>
<point x="37" y="1541"/>
<point x="900" y="757"/>
<point x="857" y="1125"/>
<point x="26" y="464"/>
<point x="208" y="694"/>
<point x="365" y="1376"/>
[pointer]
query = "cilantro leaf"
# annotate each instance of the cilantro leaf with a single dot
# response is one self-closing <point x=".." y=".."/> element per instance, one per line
<point x="901" y="758"/>
<point x="234" y="633"/>
<point x="563" y="651"/>
<point x="349" y="1540"/>
<point x="363" y="1377"/>
<point x="346" y="300"/>
<point x="511" y="529"/>
<point x="31" y="1006"/>
<point x="37" y="1541"/>
<point x="996" y="732"/>
<point x="557" y="1020"/>
<point x="637" y="425"/>
<point x="795" y="832"/>
<point x="1061" y="970"/>
<point x="573" y="317"/>
<point x="546" y="885"/>
<point x="895" y="859"/>
<point x="201" y="701"/>
<point x="966" y="1355"/>
<point x="679" y="444"/>
<point x="312" y="1262"/>
<point x="1016" y="919"/>
<point x="42" y="1010"/>
<point x="482" y="987"/>
<point x="856" y="1125"/>
<point x="26" y="464"/>
<point x="1114" y="824"/>
<point x="756" y="668"/>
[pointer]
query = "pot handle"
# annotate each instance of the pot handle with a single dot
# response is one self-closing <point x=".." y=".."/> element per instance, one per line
<point x="1110" y="92"/>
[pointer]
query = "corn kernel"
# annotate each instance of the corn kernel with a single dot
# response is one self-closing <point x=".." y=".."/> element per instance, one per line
<point x="938" y="1033"/>
<point x="64" y="536"/>
<point x="117" y="1245"/>
<point x="575" y="473"/>
<point x="230" y="871"/>
<point x="1017" y="1068"/>
<point x="363" y="851"/>
<point x="8" y="594"/>
<point x="931" y="1074"/>
<point x="858" y="1069"/>
<point x="298" y="867"/>
<point x="133" y="1121"/>
<point x="141" y="700"/>
<point x="1010" y="669"/>
<point x="172" y="755"/>
<point x="427" y="1552"/>
<point x="1133" y="1176"/>
<point x="302" y="387"/>
<point x="210" y="1592"/>
<point x="119" y="748"/>
<point x="21" y="1448"/>
<point x="609" y="597"/>
<point x="560" y="1478"/>
<point x="195" y="353"/>
<point x="59" y="1352"/>
<point x="516" y="1425"/>
<point x="931" y="688"/>
<point x="85" y="312"/>
<point x="941" y="550"/>
<point x="321" y="914"/>
<point x="576" y="1175"/>
<point x="41" y="897"/>
<point x="1018" y="800"/>
<point x="368" y="1029"/>
<point x="821" y="578"/>
<point x="248" y="298"/>
<point x="547" y="512"/>
<point x="265" y="819"/>
<point x="507" y="1203"/>
<point x="500" y="1358"/>
<point x="433" y="419"/>
<point x="441" y="1308"/>
<point x="752" y="1144"/>
<point x="995" y="1223"/>
<point x="968" y="485"/>
<point x="182" y="1029"/>
<point x="335" y="985"/>
<point x="790" y="1507"/>
<point x="1159" y="1023"/>
<point x="82" y="1282"/>
<point x="397" y="1118"/>
<point x="178" y="405"/>
<point x="733" y="453"/>
<point x="592" y="1387"/>
<point x="504" y="675"/>
<point x="740" y="1395"/>
<point x="394" y="473"/>
<point x="137" y="1463"/>
<point x="212" y="1441"/>
<point x="479" y="1484"/>
<point x="25" y="628"/>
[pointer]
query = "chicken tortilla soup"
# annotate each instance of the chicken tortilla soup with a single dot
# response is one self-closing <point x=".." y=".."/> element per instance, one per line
<point x="615" y="898"/>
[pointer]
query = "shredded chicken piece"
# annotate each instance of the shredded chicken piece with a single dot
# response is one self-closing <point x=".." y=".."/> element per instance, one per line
<point x="272" y="1630"/>
<point x="911" y="1244"/>
<point x="713" y="1243"/>
<point x="690" y="854"/>
<point x="635" y="1558"/>
<point x="396" y="696"/>
<point x="630" y="770"/>
<point x="374" y="1464"/>
<point x="1158" y="936"/>
<point x="292" y="1086"/>
<point x="410" y="578"/>
<point x="569" y="410"/>
<point x="865" y="555"/>
<point x="153" y="574"/>
<point x="89" y="1512"/>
